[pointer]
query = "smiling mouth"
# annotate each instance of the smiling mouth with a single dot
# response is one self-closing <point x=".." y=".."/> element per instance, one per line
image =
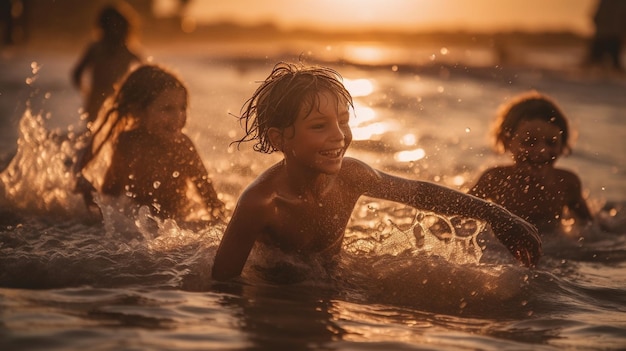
<point x="332" y="153"/>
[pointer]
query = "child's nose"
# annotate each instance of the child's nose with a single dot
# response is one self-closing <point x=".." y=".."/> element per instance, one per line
<point x="338" y="133"/>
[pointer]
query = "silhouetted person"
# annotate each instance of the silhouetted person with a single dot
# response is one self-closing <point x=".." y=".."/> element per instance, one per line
<point x="6" y="18"/>
<point x="12" y="21"/>
<point x="108" y="58"/>
<point x="610" y="28"/>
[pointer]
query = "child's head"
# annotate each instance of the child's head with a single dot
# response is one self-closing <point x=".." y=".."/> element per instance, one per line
<point x="286" y="93"/>
<point x="116" y="22"/>
<point x="135" y="102"/>
<point x="142" y="87"/>
<point x="529" y="106"/>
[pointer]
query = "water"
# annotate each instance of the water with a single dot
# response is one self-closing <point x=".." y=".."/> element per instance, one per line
<point x="134" y="282"/>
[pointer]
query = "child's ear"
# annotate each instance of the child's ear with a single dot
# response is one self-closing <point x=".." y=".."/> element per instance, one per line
<point x="276" y="138"/>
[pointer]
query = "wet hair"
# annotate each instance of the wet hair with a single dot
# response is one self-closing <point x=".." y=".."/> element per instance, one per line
<point x="138" y="90"/>
<point x="116" y="22"/>
<point x="142" y="86"/>
<point x="289" y="90"/>
<point x="528" y="106"/>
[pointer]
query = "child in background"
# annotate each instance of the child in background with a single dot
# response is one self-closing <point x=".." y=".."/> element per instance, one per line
<point x="302" y="204"/>
<point x="108" y="59"/>
<point x="152" y="161"/>
<point x="535" y="131"/>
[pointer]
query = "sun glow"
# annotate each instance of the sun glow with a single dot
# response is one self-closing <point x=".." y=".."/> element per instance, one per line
<point x="393" y="14"/>
<point x="364" y="54"/>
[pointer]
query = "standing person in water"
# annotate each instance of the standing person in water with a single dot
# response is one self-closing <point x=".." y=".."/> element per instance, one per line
<point x="535" y="132"/>
<point x="302" y="204"/>
<point x="108" y="59"/>
<point x="152" y="161"/>
<point x="607" y="42"/>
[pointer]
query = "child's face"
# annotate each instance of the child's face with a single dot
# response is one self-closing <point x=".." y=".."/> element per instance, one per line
<point x="319" y="140"/>
<point x="536" y="142"/>
<point x="167" y="114"/>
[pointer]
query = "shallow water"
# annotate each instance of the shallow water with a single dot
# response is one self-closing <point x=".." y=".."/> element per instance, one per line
<point x="133" y="282"/>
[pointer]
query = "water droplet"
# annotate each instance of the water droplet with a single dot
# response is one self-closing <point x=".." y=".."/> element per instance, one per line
<point x="35" y="67"/>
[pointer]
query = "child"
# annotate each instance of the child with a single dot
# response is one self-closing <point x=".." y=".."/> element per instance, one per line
<point x="535" y="131"/>
<point x="302" y="204"/>
<point x="108" y="58"/>
<point x="153" y="162"/>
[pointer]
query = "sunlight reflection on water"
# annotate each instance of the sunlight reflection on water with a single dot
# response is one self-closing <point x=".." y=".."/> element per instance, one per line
<point x="359" y="87"/>
<point x="409" y="155"/>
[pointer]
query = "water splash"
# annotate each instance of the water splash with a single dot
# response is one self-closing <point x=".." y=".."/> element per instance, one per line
<point x="428" y="234"/>
<point x="38" y="179"/>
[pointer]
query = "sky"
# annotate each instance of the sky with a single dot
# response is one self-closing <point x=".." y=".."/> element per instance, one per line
<point x="480" y="15"/>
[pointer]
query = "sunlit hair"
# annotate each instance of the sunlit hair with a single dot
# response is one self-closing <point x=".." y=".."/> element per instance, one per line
<point x="290" y="89"/>
<point x="140" y="88"/>
<point x="531" y="105"/>
<point x="116" y="23"/>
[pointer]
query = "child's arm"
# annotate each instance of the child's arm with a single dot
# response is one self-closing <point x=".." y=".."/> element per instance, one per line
<point x="581" y="211"/>
<point x="80" y="67"/>
<point x="83" y="186"/>
<point x="239" y="237"/>
<point x="576" y="203"/>
<point x="519" y="236"/>
<point x="199" y="176"/>
<point x="116" y="174"/>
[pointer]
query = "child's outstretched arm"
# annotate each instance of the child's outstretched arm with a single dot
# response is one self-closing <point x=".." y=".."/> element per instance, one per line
<point x="239" y="237"/>
<point x="519" y="236"/>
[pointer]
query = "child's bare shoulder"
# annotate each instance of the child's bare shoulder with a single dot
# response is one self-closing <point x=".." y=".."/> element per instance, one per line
<point x="568" y="177"/>
<point x="353" y="167"/>
<point x="258" y="199"/>
<point x="498" y="172"/>
<point x="182" y="143"/>
<point x="261" y="189"/>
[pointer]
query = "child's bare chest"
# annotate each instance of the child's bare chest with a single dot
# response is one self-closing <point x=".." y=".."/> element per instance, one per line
<point x="539" y="197"/>
<point x="307" y="226"/>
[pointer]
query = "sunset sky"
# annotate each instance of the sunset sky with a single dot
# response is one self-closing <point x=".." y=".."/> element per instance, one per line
<point x="480" y="15"/>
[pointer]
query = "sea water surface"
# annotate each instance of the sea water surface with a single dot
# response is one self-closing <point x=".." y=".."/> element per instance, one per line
<point x="406" y="280"/>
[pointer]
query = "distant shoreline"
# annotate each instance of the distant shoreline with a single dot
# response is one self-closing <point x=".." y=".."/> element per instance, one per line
<point x="168" y="31"/>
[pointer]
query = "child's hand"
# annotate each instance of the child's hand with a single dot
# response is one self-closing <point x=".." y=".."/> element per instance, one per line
<point x="86" y="189"/>
<point x="520" y="238"/>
